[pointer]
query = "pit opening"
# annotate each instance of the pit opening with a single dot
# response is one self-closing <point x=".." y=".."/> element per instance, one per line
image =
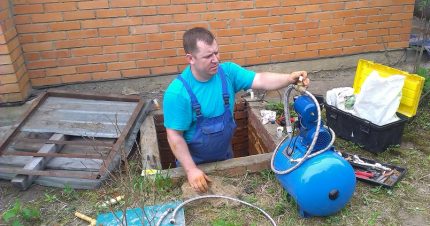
<point x="251" y="137"/>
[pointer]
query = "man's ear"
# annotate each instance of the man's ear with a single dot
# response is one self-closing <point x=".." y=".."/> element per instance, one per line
<point x="189" y="58"/>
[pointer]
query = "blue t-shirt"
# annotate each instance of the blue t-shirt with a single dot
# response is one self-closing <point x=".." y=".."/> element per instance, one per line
<point x="178" y="114"/>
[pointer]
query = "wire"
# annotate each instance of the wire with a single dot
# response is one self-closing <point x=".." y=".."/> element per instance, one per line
<point x="173" y="221"/>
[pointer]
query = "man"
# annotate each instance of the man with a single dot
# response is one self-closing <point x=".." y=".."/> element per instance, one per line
<point x="198" y="105"/>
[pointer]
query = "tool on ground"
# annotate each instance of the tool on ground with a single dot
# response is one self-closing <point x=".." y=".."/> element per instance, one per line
<point x="86" y="218"/>
<point x="307" y="166"/>
<point x="112" y="201"/>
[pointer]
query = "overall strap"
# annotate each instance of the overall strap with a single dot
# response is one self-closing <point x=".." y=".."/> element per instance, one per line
<point x="194" y="103"/>
<point x="225" y="95"/>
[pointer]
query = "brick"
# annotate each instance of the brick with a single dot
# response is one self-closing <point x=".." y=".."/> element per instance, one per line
<point x="307" y="54"/>
<point x="269" y="52"/>
<point x="125" y="3"/>
<point x="145" y="29"/>
<point x="399" y="30"/>
<point x="117" y="31"/>
<point x="342" y="43"/>
<point x="79" y="15"/>
<point x="377" y="32"/>
<point x="331" y="22"/>
<point x="160" y="37"/>
<point x="176" y="60"/>
<point x="49" y="36"/>
<point x="164" y="70"/>
<point x="42" y="64"/>
<point x="40" y="82"/>
<point x="142" y="11"/>
<point x="269" y="36"/>
<point x="133" y="56"/>
<point x="356" y="20"/>
<point x="39" y="46"/>
<point x="46" y="17"/>
<point x="318" y="31"/>
<point x="108" y="75"/>
<point x="31" y="28"/>
<point x="356" y="4"/>
<point x="65" y="26"/>
<point x="91" y="68"/>
<point x="255" y="30"/>
<point x="306" y="25"/>
<point x="103" y="58"/>
<point x="364" y="41"/>
<point x="149" y="63"/>
<point x="308" y="8"/>
<point x="267" y="20"/>
<point x="89" y="33"/>
<point x="130" y="39"/>
<point x="177" y="27"/>
<point x="28" y="9"/>
<point x="117" y="49"/>
<point x="9" y="88"/>
<point x="196" y="8"/>
<point x="127" y="21"/>
<point x="319" y="45"/>
<point x="105" y="13"/>
<point x="68" y="44"/>
<point x="267" y="3"/>
<point x="72" y="61"/>
<point x="6" y="69"/>
<point x="345" y="14"/>
<point x="354" y="34"/>
<point x="282" y="27"/>
<point x="163" y="19"/>
<point x="96" y="23"/>
<point x="101" y="41"/>
<point x="60" y="71"/>
<point x="240" y="5"/>
<point x="368" y="26"/>
<point x="22" y="19"/>
<point x="332" y="6"/>
<point x="55" y="54"/>
<point x="294" y="18"/>
<point x="178" y="18"/>
<point x="36" y="73"/>
<point x="98" y="4"/>
<point x="343" y="28"/>
<point x="59" y="7"/>
<point x="135" y="72"/>
<point x="7" y="79"/>
<point x="155" y="2"/>
<point x="217" y="24"/>
<point x="121" y="65"/>
<point x="319" y="16"/>
<point x="75" y="78"/>
<point x="31" y="56"/>
<point x="402" y="16"/>
<point x="147" y="46"/>
<point x="257" y="60"/>
<point x="377" y="18"/>
<point x="352" y="50"/>
<point x="162" y="53"/>
<point x="171" y="9"/>
<point x="86" y="51"/>
<point x="243" y="54"/>
<point x="309" y="39"/>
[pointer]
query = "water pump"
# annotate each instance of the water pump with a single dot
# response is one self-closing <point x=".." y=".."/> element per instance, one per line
<point x="307" y="165"/>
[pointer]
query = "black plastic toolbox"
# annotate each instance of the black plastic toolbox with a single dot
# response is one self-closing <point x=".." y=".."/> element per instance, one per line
<point x="372" y="137"/>
<point x="388" y="182"/>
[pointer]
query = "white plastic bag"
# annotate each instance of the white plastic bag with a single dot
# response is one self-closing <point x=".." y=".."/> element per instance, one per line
<point x="267" y="116"/>
<point x="379" y="98"/>
<point x="338" y="97"/>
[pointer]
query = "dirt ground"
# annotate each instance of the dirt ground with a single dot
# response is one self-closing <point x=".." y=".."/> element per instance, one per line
<point x="407" y="204"/>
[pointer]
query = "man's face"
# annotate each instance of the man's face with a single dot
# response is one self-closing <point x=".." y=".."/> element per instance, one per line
<point x="205" y="60"/>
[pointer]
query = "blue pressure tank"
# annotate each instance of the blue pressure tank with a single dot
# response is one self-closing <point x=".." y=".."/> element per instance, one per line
<point x="323" y="184"/>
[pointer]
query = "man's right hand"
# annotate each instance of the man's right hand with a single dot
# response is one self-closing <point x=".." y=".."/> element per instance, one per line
<point x="198" y="180"/>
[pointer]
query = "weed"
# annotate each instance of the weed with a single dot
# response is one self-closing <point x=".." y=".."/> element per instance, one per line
<point x="50" y="198"/>
<point x="69" y="193"/>
<point x="222" y="222"/>
<point x="19" y="214"/>
<point x="373" y="218"/>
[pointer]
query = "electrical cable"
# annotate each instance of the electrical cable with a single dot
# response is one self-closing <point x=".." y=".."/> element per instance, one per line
<point x="173" y="221"/>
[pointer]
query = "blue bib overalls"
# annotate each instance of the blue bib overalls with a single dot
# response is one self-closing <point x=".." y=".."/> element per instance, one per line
<point x="212" y="137"/>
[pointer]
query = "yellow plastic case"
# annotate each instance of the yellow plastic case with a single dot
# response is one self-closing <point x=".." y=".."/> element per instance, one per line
<point x="411" y="91"/>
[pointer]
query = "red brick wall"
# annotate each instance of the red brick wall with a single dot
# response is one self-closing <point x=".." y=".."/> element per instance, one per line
<point x="14" y="83"/>
<point x="67" y="41"/>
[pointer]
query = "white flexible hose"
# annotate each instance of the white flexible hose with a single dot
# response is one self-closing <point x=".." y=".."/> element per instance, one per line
<point x="173" y="221"/>
<point x="289" y="134"/>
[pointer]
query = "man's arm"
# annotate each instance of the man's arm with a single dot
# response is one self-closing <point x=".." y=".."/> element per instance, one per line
<point x="274" y="81"/>
<point x="196" y="177"/>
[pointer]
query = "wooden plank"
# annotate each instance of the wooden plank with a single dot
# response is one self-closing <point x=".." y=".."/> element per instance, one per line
<point x="58" y="163"/>
<point x="50" y="173"/>
<point x="23" y="181"/>
<point x="149" y="145"/>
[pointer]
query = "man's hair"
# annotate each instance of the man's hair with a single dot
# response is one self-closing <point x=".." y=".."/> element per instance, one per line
<point x="193" y="35"/>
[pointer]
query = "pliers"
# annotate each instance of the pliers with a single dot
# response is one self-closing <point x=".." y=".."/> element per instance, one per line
<point x="364" y="174"/>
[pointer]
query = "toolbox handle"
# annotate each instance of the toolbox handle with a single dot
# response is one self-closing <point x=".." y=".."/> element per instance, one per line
<point x="365" y="127"/>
